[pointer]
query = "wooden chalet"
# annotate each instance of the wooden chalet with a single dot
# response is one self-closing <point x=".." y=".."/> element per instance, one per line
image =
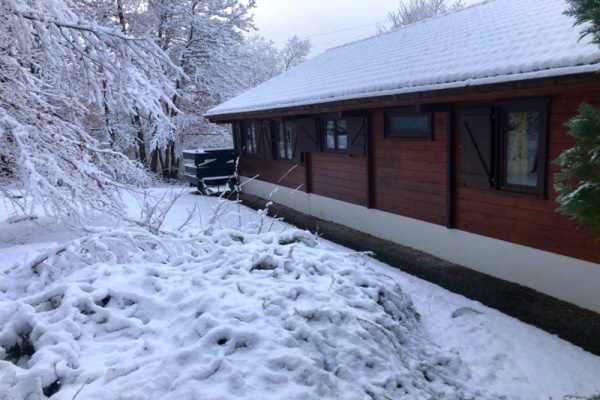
<point x="440" y="136"/>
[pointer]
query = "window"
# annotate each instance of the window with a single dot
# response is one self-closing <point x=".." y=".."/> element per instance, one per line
<point x="336" y="134"/>
<point x="504" y="147"/>
<point x="522" y="134"/>
<point x="284" y="141"/>
<point x="249" y="138"/>
<point x="406" y="123"/>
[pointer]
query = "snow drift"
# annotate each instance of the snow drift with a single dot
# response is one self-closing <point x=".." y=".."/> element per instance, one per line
<point x="126" y="314"/>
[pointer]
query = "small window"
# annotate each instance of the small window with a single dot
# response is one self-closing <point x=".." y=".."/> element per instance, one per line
<point x="342" y="134"/>
<point x="522" y="145"/>
<point x="522" y="135"/>
<point x="284" y="141"/>
<point x="330" y="135"/>
<point x="406" y="123"/>
<point x="249" y="138"/>
<point x="336" y="134"/>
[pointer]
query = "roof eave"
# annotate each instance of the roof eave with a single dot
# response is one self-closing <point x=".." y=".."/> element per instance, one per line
<point x="421" y="96"/>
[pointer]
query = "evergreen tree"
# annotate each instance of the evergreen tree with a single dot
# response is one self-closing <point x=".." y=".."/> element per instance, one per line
<point x="578" y="183"/>
<point x="585" y="11"/>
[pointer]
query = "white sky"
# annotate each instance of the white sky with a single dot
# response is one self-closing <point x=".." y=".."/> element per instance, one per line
<point x="280" y="19"/>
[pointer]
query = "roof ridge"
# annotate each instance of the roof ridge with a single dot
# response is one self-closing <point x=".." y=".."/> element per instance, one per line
<point x="450" y="12"/>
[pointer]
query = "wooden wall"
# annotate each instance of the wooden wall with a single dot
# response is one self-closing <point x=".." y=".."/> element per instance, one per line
<point x="272" y="171"/>
<point x="410" y="176"/>
<point x="339" y="176"/>
<point x="528" y="220"/>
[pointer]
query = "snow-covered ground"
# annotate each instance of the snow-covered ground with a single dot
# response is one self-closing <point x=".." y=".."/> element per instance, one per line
<point x="234" y="313"/>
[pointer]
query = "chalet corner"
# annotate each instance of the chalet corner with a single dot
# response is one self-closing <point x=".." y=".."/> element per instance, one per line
<point x="439" y="136"/>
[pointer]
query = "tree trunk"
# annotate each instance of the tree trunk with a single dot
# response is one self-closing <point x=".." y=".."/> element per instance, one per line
<point x="160" y="159"/>
<point x="111" y="133"/>
<point x="174" y="169"/>
<point x="154" y="160"/>
<point x="166" y="167"/>
<point x="141" y="142"/>
<point x="121" y="16"/>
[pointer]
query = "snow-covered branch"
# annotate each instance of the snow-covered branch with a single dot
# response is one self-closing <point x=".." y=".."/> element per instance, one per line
<point x="58" y="69"/>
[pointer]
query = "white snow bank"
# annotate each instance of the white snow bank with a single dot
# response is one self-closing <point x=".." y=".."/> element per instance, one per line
<point x="149" y="321"/>
<point x="125" y="314"/>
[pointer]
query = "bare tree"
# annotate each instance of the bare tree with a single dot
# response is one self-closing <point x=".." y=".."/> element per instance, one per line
<point x="412" y="11"/>
<point x="57" y="67"/>
<point x="203" y="38"/>
<point x="262" y="59"/>
<point x="295" y="52"/>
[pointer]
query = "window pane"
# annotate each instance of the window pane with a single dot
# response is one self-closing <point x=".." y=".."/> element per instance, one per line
<point x="342" y="134"/>
<point x="522" y="148"/>
<point x="253" y="141"/>
<point x="409" y="124"/>
<point x="330" y="135"/>
<point x="288" y="134"/>
<point x="281" y="141"/>
<point x="248" y="135"/>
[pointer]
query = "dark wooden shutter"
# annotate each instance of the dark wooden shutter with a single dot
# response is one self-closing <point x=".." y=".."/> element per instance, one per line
<point x="476" y="143"/>
<point x="305" y="137"/>
<point x="308" y="139"/>
<point x="236" y="128"/>
<point x="269" y="151"/>
<point x="296" y="152"/>
<point x="264" y="139"/>
<point x="357" y="133"/>
<point x="260" y="143"/>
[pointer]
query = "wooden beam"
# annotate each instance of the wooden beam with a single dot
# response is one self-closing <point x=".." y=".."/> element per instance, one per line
<point x="370" y="178"/>
<point x="308" y="182"/>
<point x="450" y="169"/>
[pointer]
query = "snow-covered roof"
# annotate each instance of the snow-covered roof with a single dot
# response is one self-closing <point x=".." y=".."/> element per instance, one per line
<point x="490" y="42"/>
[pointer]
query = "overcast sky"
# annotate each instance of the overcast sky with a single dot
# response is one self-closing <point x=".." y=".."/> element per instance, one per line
<point x="280" y="19"/>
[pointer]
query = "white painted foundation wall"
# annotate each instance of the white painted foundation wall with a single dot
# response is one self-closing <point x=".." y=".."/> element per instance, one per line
<point x="566" y="278"/>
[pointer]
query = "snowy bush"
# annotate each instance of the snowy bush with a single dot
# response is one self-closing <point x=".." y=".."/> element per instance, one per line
<point x="235" y="314"/>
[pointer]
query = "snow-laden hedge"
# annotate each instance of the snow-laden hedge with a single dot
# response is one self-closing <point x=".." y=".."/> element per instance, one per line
<point x="126" y="314"/>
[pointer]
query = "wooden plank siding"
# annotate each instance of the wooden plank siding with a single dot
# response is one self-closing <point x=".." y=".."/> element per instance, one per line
<point x="409" y="176"/>
<point x="273" y="171"/>
<point x="528" y="220"/>
<point x="340" y="177"/>
<point x="337" y="176"/>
